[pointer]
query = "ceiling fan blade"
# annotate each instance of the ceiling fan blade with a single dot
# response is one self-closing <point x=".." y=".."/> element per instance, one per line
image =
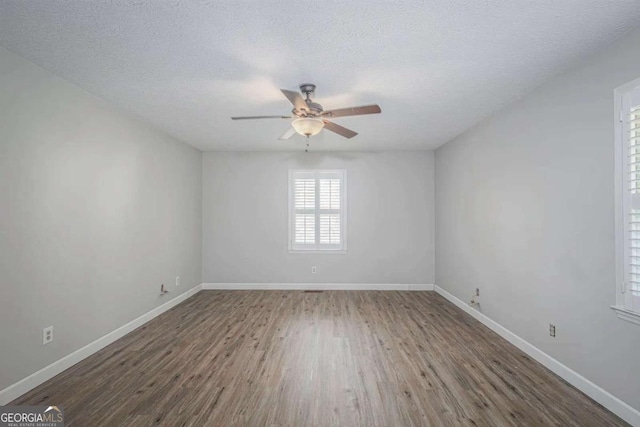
<point x="288" y="134"/>
<point x="353" y="111"/>
<point x="296" y="99"/>
<point x="340" y="130"/>
<point x="260" y="117"/>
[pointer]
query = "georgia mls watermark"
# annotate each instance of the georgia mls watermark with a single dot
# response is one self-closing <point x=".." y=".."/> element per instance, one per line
<point x="31" y="416"/>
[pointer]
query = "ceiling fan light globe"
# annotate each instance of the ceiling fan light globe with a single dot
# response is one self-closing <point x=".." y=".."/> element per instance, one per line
<point x="307" y="126"/>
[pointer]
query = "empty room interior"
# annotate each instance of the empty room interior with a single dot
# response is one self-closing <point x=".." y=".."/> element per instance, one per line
<point x="276" y="213"/>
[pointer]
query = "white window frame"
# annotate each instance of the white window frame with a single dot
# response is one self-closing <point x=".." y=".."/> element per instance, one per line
<point x="624" y="296"/>
<point x="318" y="248"/>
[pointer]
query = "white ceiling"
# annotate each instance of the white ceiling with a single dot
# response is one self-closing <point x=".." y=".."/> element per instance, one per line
<point x="435" y="67"/>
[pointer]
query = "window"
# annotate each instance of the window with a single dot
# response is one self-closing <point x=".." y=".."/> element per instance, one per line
<point x="627" y="158"/>
<point x="317" y="210"/>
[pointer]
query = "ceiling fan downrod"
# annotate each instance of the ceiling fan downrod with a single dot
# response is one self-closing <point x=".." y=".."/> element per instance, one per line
<point x="308" y="89"/>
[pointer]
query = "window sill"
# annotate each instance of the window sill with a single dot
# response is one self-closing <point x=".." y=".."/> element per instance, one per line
<point x="624" y="314"/>
<point x="314" y="251"/>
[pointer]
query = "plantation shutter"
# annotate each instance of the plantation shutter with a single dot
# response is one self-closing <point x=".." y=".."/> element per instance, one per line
<point x="330" y="233"/>
<point x="631" y="132"/>
<point x="305" y="207"/>
<point x="318" y="211"/>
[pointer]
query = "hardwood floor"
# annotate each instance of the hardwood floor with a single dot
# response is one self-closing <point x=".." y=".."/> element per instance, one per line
<point x="334" y="358"/>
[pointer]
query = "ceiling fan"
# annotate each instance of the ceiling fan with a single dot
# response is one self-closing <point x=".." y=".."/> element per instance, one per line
<point x="310" y="118"/>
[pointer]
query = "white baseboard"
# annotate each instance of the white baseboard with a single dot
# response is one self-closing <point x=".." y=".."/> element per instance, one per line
<point x="603" y="397"/>
<point x="318" y="286"/>
<point x="23" y="386"/>
<point x="606" y="399"/>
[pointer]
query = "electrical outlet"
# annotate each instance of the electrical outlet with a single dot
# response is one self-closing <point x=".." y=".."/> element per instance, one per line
<point x="313" y="269"/>
<point x="477" y="292"/>
<point x="552" y="330"/>
<point x="177" y="280"/>
<point x="47" y="335"/>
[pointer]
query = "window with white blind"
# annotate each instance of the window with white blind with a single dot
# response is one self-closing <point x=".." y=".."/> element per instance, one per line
<point x="627" y="157"/>
<point x="317" y="210"/>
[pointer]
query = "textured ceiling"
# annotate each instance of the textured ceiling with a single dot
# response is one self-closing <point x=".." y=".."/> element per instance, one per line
<point x="436" y="67"/>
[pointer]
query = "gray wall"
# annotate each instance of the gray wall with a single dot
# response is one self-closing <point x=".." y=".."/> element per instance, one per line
<point x="389" y="221"/>
<point x="525" y="212"/>
<point x="97" y="210"/>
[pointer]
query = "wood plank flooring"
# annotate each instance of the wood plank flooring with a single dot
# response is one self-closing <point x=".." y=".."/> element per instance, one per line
<point x="334" y="358"/>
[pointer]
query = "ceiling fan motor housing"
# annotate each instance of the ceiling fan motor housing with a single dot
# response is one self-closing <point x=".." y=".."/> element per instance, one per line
<point x="314" y="107"/>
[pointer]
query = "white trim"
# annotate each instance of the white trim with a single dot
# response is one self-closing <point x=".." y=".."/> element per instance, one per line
<point x="622" y="97"/>
<point x="26" y="384"/>
<point x="618" y="167"/>
<point x="318" y="251"/>
<point x="318" y="286"/>
<point x="603" y="397"/>
<point x="628" y="315"/>
<point x="420" y="287"/>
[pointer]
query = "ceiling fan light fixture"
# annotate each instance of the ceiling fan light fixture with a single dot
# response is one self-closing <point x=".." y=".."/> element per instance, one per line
<point x="307" y="126"/>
